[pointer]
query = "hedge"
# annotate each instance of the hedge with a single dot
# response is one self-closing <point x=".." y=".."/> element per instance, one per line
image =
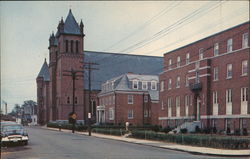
<point x="67" y="126"/>
<point x="117" y="132"/>
<point x="196" y="140"/>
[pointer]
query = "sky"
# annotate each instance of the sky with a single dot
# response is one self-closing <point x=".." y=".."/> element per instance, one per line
<point x="142" y="27"/>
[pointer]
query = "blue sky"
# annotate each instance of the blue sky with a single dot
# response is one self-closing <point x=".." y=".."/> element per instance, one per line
<point x="109" y="26"/>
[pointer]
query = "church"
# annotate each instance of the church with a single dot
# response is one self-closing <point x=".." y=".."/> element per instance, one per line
<point x="66" y="53"/>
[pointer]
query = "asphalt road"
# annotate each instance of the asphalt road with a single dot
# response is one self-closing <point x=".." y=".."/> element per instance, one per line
<point x="48" y="144"/>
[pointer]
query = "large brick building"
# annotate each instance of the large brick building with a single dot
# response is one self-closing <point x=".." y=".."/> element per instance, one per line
<point x="208" y="81"/>
<point x="54" y="89"/>
<point x="129" y="98"/>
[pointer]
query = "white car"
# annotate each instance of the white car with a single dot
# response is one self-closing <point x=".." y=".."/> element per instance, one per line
<point x="12" y="132"/>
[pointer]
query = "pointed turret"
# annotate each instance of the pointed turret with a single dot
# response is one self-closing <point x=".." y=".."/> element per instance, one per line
<point x="44" y="72"/>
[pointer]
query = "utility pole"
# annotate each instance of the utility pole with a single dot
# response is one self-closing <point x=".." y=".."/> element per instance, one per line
<point x="88" y="66"/>
<point x="73" y="74"/>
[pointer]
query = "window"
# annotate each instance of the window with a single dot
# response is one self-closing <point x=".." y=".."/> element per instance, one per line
<point x="178" y="61"/>
<point x="169" y="102"/>
<point x="130" y="114"/>
<point x="187" y="58"/>
<point x="215" y="97"/>
<point x="153" y="85"/>
<point x="201" y="53"/>
<point x="162" y="86"/>
<point x="67" y="46"/>
<point x="144" y="85"/>
<point x="169" y="83"/>
<point x="216" y="73"/>
<point x="216" y="49"/>
<point x="229" y="95"/>
<point x="71" y="42"/>
<point x="135" y="84"/>
<point x="145" y="98"/>
<point x="77" y="49"/>
<point x="187" y="100"/>
<point x="245" y="40"/>
<point x="111" y="113"/>
<point x="187" y="81"/>
<point x="169" y="64"/>
<point x="197" y="77"/>
<point x="162" y="105"/>
<point x="178" y="81"/>
<point x="146" y="113"/>
<point x="244" y="67"/>
<point x="113" y="99"/>
<point x="229" y="71"/>
<point x="130" y="99"/>
<point x="244" y="94"/>
<point x="68" y="100"/>
<point x="229" y="45"/>
<point x="177" y="102"/>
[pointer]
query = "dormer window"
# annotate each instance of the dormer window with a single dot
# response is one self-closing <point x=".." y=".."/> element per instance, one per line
<point x="135" y="84"/>
<point x="144" y="85"/>
<point x="153" y="85"/>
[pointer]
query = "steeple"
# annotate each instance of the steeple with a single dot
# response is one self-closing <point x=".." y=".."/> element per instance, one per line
<point x="44" y="72"/>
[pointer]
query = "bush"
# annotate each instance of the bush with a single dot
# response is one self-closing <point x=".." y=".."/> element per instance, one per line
<point x="117" y="132"/>
<point x="196" y="140"/>
<point x="166" y="129"/>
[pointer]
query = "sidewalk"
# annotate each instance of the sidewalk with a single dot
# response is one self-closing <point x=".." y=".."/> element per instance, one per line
<point x="171" y="146"/>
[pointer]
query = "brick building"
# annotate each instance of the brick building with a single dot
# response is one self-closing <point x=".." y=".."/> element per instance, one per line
<point x="128" y="98"/>
<point x="208" y="81"/>
<point x="54" y="89"/>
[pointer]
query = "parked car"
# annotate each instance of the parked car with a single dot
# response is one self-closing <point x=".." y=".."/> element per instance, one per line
<point x="12" y="132"/>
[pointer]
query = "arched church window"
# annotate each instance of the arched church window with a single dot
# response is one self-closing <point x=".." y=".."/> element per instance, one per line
<point x="67" y="45"/>
<point x="72" y="50"/>
<point x="68" y="100"/>
<point x="77" y="43"/>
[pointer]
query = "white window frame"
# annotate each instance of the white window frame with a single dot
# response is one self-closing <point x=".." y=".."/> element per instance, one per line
<point x="130" y="114"/>
<point x="245" y="40"/>
<point x="130" y="99"/>
<point x="244" y="68"/>
<point x="135" y="83"/>
<point x="169" y="83"/>
<point x="169" y="102"/>
<point x="216" y="49"/>
<point x="187" y="102"/>
<point x="187" y="81"/>
<point x="178" y="82"/>
<point x="162" y="86"/>
<point x="178" y="61"/>
<point x="215" y="97"/>
<point x="144" y="83"/>
<point x="244" y="94"/>
<point x="111" y="114"/>
<point x="230" y="45"/>
<point x="153" y="83"/>
<point x="229" y="96"/>
<point x="187" y="58"/>
<point x="201" y="53"/>
<point x="169" y="64"/>
<point x="229" y="69"/>
<point x="162" y="105"/>
<point x="216" y="73"/>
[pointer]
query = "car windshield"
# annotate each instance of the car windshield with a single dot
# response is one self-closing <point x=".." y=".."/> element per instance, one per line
<point x="11" y="127"/>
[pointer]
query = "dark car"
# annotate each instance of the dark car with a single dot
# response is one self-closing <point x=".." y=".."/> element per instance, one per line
<point x="12" y="132"/>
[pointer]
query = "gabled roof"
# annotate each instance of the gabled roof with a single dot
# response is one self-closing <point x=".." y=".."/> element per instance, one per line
<point x="113" y="65"/>
<point x="71" y="26"/>
<point x="44" y="72"/>
<point x="123" y="83"/>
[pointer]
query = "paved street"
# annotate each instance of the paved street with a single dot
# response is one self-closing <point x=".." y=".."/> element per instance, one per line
<point x="48" y="144"/>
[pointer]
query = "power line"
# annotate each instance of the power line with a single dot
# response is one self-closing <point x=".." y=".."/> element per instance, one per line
<point x="170" y="28"/>
<point x="151" y="20"/>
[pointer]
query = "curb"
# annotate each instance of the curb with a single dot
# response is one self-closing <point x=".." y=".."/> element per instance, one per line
<point x="168" y="148"/>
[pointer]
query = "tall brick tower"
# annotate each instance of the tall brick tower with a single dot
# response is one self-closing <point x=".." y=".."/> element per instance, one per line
<point x="66" y="53"/>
